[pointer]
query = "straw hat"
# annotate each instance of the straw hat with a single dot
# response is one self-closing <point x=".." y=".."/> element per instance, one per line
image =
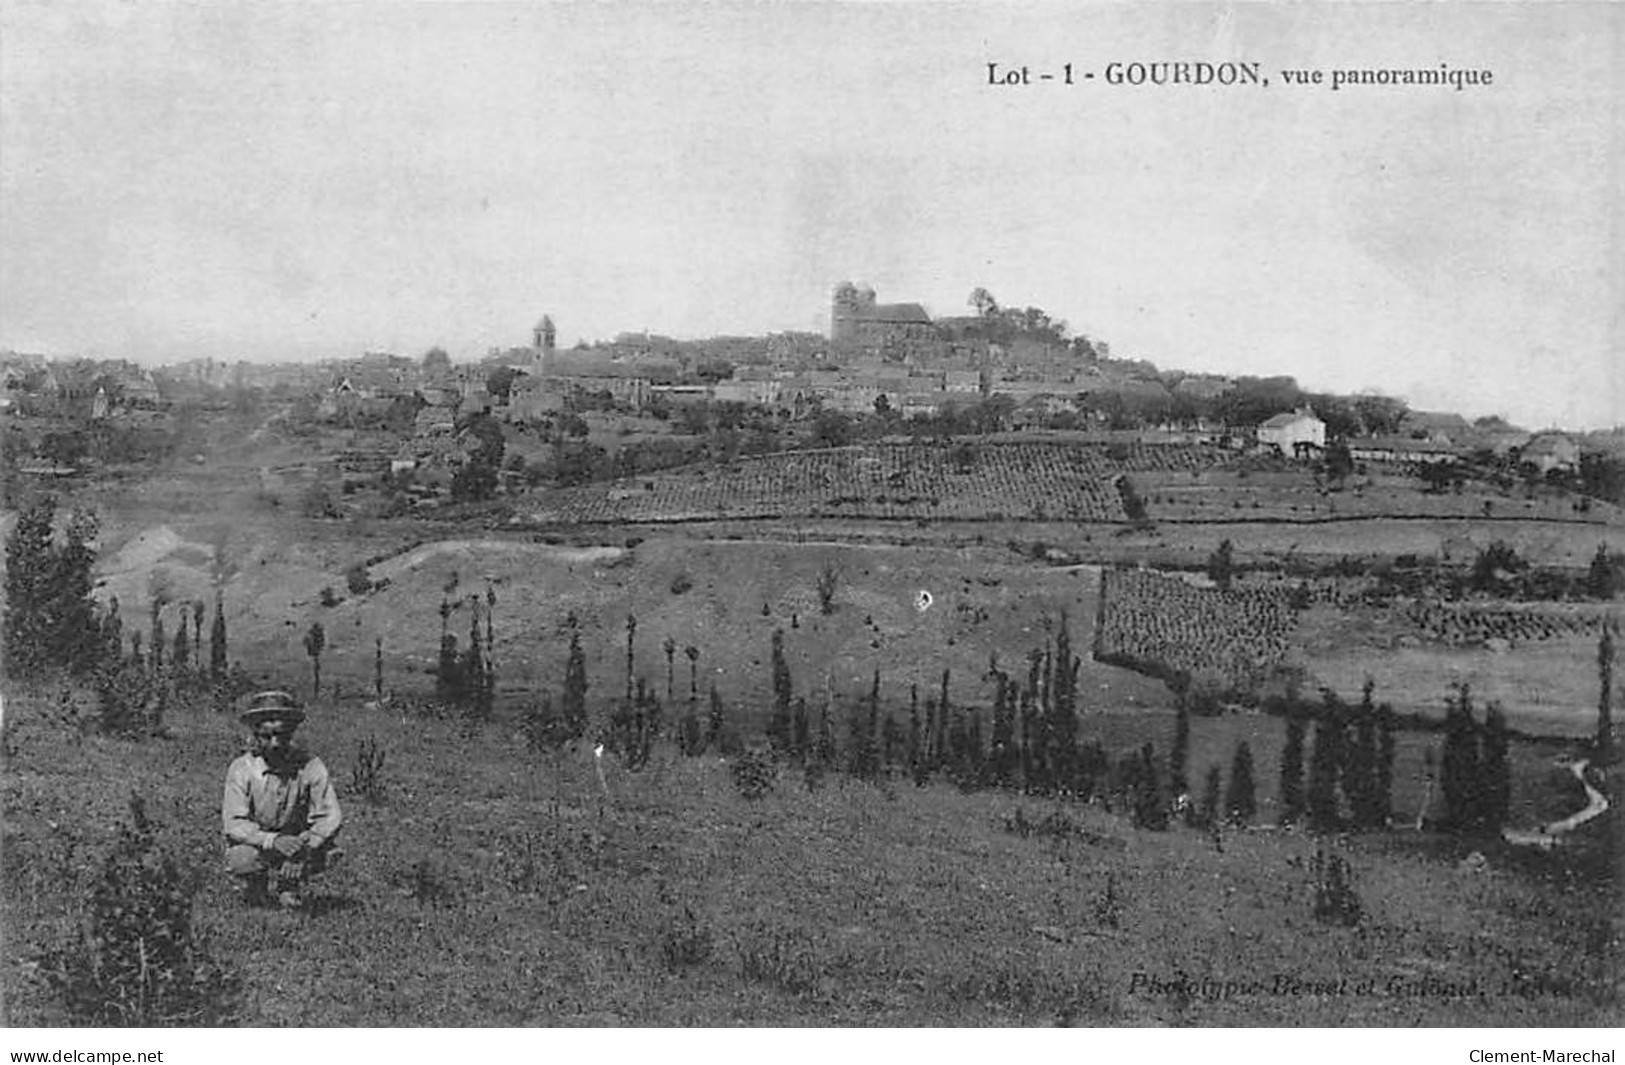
<point x="271" y="706"/>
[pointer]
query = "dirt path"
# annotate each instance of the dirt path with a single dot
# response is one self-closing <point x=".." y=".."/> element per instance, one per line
<point x="1549" y="835"/>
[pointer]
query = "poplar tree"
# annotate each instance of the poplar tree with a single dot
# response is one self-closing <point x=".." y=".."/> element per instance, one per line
<point x="573" y="706"/>
<point x="158" y="639"/>
<point x="1387" y="743"/>
<point x="1325" y="813"/>
<point x="1495" y="770"/>
<point x="1208" y="814"/>
<point x="1360" y="767"/>
<point x="1003" y="756"/>
<point x="1460" y="772"/>
<point x="716" y="720"/>
<point x="862" y="730"/>
<point x="1150" y="808"/>
<point x="50" y="616"/>
<point x="826" y="738"/>
<point x="914" y="731"/>
<point x="198" y="610"/>
<point x="217" y="641"/>
<point x="1240" y="802"/>
<point x="779" y="726"/>
<point x="669" y="646"/>
<point x="30" y="588"/>
<point x="1605" y="694"/>
<point x="315" y="642"/>
<point x="1063" y="703"/>
<point x="801" y="745"/>
<point x="112" y="632"/>
<point x="1292" y="797"/>
<point x="631" y="631"/>
<point x="180" y="654"/>
<point x="1179" y="756"/>
<point x="77" y="630"/>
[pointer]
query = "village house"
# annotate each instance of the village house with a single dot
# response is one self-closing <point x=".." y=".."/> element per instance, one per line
<point x="1441" y="427"/>
<point x="1293" y="433"/>
<point x="1551" y="451"/>
<point x="923" y="404"/>
<point x="533" y="399"/>
<point x="1023" y="391"/>
<point x="435" y="420"/>
<point x="758" y="392"/>
<point x="681" y="395"/>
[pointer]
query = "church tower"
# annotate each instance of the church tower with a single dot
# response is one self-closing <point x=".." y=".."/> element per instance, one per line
<point x="850" y="305"/>
<point x="543" y="339"/>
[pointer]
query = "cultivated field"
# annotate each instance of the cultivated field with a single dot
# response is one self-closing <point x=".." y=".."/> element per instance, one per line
<point x="1220" y="494"/>
<point x="1169" y="627"/>
<point x="968" y="481"/>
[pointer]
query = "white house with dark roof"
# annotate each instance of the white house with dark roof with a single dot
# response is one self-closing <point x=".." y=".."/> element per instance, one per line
<point x="1293" y="432"/>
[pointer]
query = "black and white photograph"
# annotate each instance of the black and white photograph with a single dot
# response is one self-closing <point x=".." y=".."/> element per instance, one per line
<point x="814" y="514"/>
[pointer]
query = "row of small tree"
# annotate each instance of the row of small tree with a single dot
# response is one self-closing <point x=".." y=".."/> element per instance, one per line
<point x="1350" y="768"/>
<point x="1336" y="763"/>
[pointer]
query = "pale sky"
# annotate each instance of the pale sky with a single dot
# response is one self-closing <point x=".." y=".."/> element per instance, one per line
<point x="309" y="181"/>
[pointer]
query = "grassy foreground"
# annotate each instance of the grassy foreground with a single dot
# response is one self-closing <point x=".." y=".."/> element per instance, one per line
<point x="491" y="886"/>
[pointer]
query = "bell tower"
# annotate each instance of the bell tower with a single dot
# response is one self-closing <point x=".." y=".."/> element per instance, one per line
<point x="542" y="340"/>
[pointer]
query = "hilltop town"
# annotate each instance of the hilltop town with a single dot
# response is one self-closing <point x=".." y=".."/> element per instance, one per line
<point x="643" y="402"/>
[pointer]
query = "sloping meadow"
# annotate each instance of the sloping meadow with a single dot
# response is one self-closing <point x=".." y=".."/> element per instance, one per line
<point x="490" y="885"/>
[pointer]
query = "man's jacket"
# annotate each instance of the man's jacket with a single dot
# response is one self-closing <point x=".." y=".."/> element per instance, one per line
<point x="260" y="805"/>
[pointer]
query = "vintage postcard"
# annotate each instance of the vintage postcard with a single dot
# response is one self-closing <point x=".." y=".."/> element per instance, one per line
<point x="811" y="515"/>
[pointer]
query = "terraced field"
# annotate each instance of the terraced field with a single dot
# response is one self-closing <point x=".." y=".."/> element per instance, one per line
<point x="1027" y="481"/>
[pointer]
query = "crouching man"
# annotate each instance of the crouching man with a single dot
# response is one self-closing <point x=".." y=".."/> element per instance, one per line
<point x="280" y="812"/>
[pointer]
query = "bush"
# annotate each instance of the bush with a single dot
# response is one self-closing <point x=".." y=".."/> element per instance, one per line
<point x="1335" y="900"/>
<point x="829" y="576"/>
<point x="1108" y="907"/>
<point x="357" y="580"/>
<point x="317" y="502"/>
<point x="783" y="958"/>
<point x="686" y="943"/>
<point x="753" y="774"/>
<point x="137" y="962"/>
<point x="367" y="772"/>
<point x="681" y="583"/>
<point x="129" y="701"/>
<point x="428" y="884"/>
